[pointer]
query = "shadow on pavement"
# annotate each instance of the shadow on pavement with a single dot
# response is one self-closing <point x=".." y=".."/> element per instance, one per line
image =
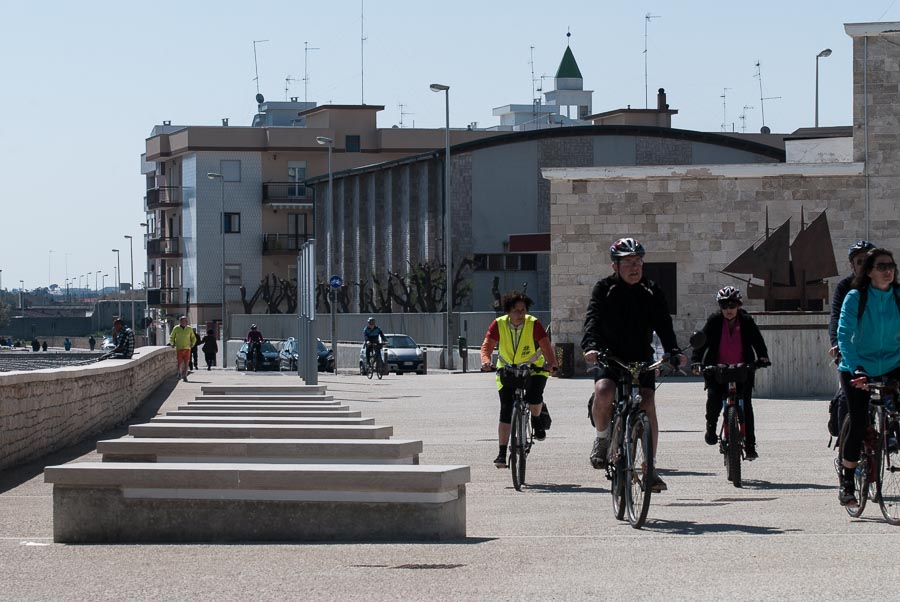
<point x="766" y="485"/>
<point x="692" y="528"/>
<point x="14" y="477"/>
<point x="674" y="472"/>
<point x="564" y="488"/>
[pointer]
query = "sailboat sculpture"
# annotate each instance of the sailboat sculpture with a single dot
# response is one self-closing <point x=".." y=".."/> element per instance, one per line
<point x="789" y="272"/>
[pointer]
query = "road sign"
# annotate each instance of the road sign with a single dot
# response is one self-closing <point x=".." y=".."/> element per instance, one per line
<point x="336" y="282"/>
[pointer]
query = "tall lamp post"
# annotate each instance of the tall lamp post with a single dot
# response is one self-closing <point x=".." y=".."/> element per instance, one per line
<point x="131" y="247"/>
<point x="825" y="53"/>
<point x="329" y="236"/>
<point x="87" y="281"/>
<point x="21" y="294"/>
<point x="447" y="247"/>
<point x="218" y="176"/>
<point x="80" y="289"/>
<point x="118" y="281"/>
<point x="146" y="226"/>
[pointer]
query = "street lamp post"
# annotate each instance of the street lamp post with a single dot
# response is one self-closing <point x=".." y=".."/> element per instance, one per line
<point x="97" y="288"/>
<point x="146" y="226"/>
<point x="218" y="176"/>
<point x="131" y="247"/>
<point x="329" y="236"/>
<point x="825" y="53"/>
<point x="118" y="281"/>
<point x="87" y="280"/>
<point x="448" y="257"/>
<point x="21" y="294"/>
<point x="50" y="269"/>
<point x="80" y="289"/>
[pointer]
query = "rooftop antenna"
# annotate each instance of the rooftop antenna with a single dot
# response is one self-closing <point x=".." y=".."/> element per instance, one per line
<point x="743" y="118"/>
<point x="306" y="50"/>
<point x="647" y="18"/>
<point x="255" y="65"/>
<point x="287" y="83"/>
<point x="403" y="113"/>
<point x="362" y="52"/>
<point x="762" y="100"/>
<point x="534" y="100"/>
<point x="724" y="109"/>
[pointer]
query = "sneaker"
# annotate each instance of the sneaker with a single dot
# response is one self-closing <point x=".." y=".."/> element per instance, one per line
<point x="847" y="492"/>
<point x="710" y="437"/>
<point x="184" y="378"/>
<point x="536" y="426"/>
<point x="599" y="452"/>
<point x="750" y="453"/>
<point x="540" y="434"/>
<point x="655" y="482"/>
<point x="500" y="461"/>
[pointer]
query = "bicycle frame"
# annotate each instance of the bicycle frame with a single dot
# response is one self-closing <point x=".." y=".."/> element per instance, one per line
<point x="521" y="433"/>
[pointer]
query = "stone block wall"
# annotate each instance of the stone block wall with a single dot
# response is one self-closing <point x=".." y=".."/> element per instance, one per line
<point x="46" y="410"/>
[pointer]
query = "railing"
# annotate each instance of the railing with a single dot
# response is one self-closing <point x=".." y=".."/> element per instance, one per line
<point x="171" y="296"/>
<point x="164" y="247"/>
<point x="288" y="192"/>
<point x="274" y="244"/>
<point x="163" y="197"/>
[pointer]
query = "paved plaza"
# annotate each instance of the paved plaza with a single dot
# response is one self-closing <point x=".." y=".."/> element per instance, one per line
<point x="783" y="534"/>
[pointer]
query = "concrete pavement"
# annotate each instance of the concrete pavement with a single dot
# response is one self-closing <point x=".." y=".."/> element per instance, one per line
<point x="783" y="534"/>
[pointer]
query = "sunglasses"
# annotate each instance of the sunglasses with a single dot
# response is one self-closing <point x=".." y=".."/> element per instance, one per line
<point x="885" y="267"/>
<point x="729" y="305"/>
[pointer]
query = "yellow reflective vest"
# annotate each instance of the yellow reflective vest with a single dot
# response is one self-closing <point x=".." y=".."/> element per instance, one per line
<point x="183" y="338"/>
<point x="526" y="352"/>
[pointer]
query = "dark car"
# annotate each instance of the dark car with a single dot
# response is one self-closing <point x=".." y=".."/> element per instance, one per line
<point x="402" y="354"/>
<point x="288" y="356"/>
<point x="268" y="357"/>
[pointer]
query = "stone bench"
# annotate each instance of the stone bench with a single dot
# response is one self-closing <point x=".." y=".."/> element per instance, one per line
<point x="267" y="398"/>
<point x="263" y="407"/>
<point x="262" y="389"/>
<point x="108" y="502"/>
<point x="260" y="431"/>
<point x="263" y="413"/>
<point x="263" y="402"/>
<point x="250" y="420"/>
<point x="298" y="451"/>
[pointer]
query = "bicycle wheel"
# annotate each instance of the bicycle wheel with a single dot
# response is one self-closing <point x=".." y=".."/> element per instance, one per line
<point x="379" y="371"/>
<point x="640" y="459"/>
<point x="517" y="443"/>
<point x="733" y="455"/>
<point x="862" y="479"/>
<point x="617" y="471"/>
<point x="889" y="495"/>
<point x="370" y="369"/>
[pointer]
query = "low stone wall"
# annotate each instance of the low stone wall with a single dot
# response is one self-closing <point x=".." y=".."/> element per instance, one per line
<point x="42" y="411"/>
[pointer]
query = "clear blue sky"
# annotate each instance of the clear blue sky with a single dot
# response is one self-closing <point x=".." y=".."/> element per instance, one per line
<point x="85" y="82"/>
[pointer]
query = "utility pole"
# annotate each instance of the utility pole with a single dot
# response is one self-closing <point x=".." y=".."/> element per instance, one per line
<point x="647" y="18"/>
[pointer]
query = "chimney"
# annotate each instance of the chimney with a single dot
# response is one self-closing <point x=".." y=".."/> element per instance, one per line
<point x="661" y="100"/>
<point x="225" y="122"/>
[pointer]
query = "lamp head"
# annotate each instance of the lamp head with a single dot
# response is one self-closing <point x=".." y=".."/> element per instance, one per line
<point x="213" y="176"/>
<point x="128" y="236"/>
<point x="824" y="53"/>
<point x="439" y="88"/>
<point x="115" y="250"/>
<point x="324" y="140"/>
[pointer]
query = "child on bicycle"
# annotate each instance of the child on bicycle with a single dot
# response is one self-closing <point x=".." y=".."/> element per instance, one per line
<point x="732" y="337"/>
<point x="522" y="340"/>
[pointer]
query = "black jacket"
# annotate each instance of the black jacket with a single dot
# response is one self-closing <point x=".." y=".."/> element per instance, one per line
<point x="622" y="318"/>
<point x="751" y="340"/>
<point x="840" y="291"/>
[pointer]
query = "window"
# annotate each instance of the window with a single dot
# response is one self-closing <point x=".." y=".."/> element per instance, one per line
<point x="232" y="223"/>
<point x="230" y="170"/>
<point x="233" y="273"/>
<point x="663" y="274"/>
<point x="351" y="144"/>
<point x="505" y="262"/>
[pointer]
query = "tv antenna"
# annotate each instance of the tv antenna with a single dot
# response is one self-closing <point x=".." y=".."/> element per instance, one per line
<point x="287" y="83"/>
<point x="403" y="113"/>
<point x="255" y="64"/>
<point x="762" y="100"/>
<point x="306" y="50"/>
<point x="724" y="109"/>
<point x="743" y="118"/>
<point x="647" y="18"/>
<point x="362" y="52"/>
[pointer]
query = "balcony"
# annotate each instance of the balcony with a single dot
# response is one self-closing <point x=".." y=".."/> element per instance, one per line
<point x="161" y="248"/>
<point x="164" y="197"/>
<point x="291" y="194"/>
<point x="283" y="244"/>
<point x="171" y="296"/>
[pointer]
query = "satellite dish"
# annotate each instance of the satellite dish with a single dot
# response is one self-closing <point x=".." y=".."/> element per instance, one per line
<point x="260" y="99"/>
<point x="765" y="130"/>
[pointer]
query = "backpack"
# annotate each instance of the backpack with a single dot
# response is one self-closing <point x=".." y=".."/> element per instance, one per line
<point x="837" y="410"/>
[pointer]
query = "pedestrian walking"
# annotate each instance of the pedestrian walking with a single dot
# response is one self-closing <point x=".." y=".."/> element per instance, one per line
<point x="210" y="348"/>
<point x="92" y="342"/>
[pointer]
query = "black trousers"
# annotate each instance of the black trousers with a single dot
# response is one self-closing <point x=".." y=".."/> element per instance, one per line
<point x="715" y="392"/>
<point x="858" y="410"/>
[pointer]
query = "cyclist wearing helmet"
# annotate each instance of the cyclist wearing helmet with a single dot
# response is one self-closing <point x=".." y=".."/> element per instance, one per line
<point x="624" y="312"/>
<point x="254" y="335"/>
<point x="857" y="257"/>
<point x="255" y="339"/>
<point x="732" y="337"/>
<point x="374" y="339"/>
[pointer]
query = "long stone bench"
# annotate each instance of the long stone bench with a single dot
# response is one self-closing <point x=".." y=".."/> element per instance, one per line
<point x="265" y="398"/>
<point x="317" y="451"/>
<point x="262" y="407"/>
<point x="262" y="413"/>
<point x="263" y="389"/>
<point x="108" y="502"/>
<point x="249" y="420"/>
<point x="263" y="402"/>
<point x="260" y="431"/>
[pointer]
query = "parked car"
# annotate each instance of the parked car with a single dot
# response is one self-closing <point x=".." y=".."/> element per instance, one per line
<point x="288" y="356"/>
<point x="268" y="359"/>
<point x="402" y="354"/>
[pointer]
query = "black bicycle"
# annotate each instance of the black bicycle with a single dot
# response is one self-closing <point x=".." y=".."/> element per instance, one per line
<point x="521" y="436"/>
<point x="629" y="463"/>
<point x="374" y="363"/>
<point x="877" y="473"/>
<point x="733" y="432"/>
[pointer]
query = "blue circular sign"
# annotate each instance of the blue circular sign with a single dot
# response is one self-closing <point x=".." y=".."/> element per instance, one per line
<point x="336" y="281"/>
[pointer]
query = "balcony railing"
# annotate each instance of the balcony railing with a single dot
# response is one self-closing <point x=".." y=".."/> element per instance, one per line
<point x="275" y="244"/>
<point x="163" y="247"/>
<point x="288" y="192"/>
<point x="164" y="197"/>
<point x="171" y="296"/>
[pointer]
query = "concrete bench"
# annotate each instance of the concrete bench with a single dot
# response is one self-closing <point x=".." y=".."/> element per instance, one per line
<point x="168" y="418"/>
<point x="108" y="502"/>
<point x="262" y="407"/>
<point x="297" y="451"/>
<point x="260" y="431"/>
<point x="264" y="413"/>
<point x="279" y="402"/>
<point x="267" y="398"/>
<point x="263" y="389"/>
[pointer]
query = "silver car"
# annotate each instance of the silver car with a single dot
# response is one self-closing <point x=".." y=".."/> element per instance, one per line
<point x="402" y="354"/>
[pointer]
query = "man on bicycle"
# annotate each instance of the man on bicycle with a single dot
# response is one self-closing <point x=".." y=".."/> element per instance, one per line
<point x="857" y="257"/>
<point x="255" y="339"/>
<point x="374" y="340"/>
<point x="522" y="340"/>
<point x="624" y="312"/>
<point x="732" y="337"/>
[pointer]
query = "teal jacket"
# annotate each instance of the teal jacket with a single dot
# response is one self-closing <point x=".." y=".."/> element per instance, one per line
<point x="873" y="342"/>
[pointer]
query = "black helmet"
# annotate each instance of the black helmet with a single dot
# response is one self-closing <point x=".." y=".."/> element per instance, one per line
<point x="860" y="246"/>
<point x="253" y="327"/>
<point x="371" y="320"/>
<point x="625" y="247"/>
<point x="729" y="294"/>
